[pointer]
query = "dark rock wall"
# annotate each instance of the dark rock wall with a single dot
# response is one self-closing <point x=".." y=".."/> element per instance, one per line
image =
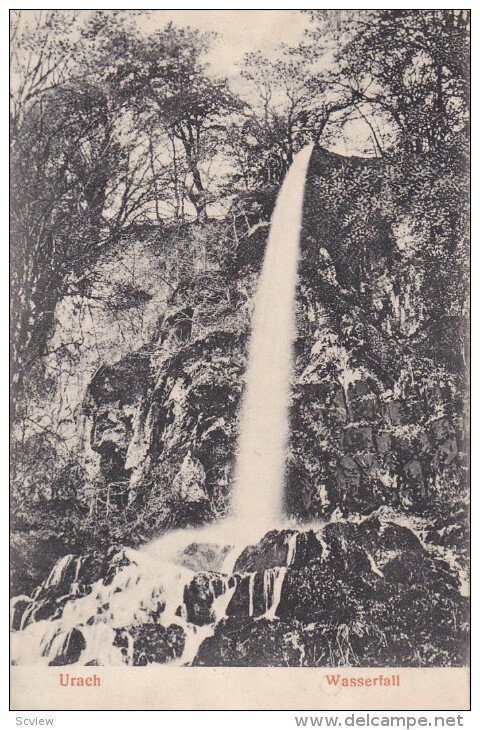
<point x="372" y="420"/>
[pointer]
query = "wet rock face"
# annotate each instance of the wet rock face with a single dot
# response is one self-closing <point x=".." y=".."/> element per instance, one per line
<point x="199" y="596"/>
<point x="150" y="644"/>
<point x="17" y="610"/>
<point x="279" y="548"/>
<point x="66" y="648"/>
<point x="272" y="550"/>
<point x="50" y="597"/>
<point x="361" y="598"/>
<point x="71" y="578"/>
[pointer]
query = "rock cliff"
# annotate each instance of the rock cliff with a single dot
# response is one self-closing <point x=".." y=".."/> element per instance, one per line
<point x="374" y="572"/>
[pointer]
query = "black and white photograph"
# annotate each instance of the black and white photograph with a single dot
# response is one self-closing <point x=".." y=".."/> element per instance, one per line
<point x="239" y="329"/>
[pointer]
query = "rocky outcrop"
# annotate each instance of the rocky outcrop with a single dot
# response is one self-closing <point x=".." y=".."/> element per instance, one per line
<point x="359" y="593"/>
<point x="113" y="405"/>
<point x="70" y="579"/>
<point x="369" y="423"/>
<point x="164" y="423"/>
<point x="364" y="601"/>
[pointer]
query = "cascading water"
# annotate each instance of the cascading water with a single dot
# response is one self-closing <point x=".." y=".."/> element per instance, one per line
<point x="157" y="574"/>
<point x="259" y="479"/>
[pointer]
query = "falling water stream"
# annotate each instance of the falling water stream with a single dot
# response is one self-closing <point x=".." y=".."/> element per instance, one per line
<point x="157" y="574"/>
<point x="258" y="489"/>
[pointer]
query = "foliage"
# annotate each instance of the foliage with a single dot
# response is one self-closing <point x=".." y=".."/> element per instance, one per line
<point x="411" y="65"/>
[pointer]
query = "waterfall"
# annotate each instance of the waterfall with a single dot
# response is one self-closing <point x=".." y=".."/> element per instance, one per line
<point x="59" y="570"/>
<point x="156" y="575"/>
<point x="259" y="477"/>
<point x="272" y="590"/>
<point x="292" y="548"/>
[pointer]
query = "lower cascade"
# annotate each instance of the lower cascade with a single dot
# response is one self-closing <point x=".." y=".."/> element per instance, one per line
<point x="159" y="590"/>
<point x="253" y="589"/>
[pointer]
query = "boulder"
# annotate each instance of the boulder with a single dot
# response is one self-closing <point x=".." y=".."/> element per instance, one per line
<point x="272" y="550"/>
<point x="384" y="541"/>
<point x="150" y="643"/>
<point x="204" y="556"/>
